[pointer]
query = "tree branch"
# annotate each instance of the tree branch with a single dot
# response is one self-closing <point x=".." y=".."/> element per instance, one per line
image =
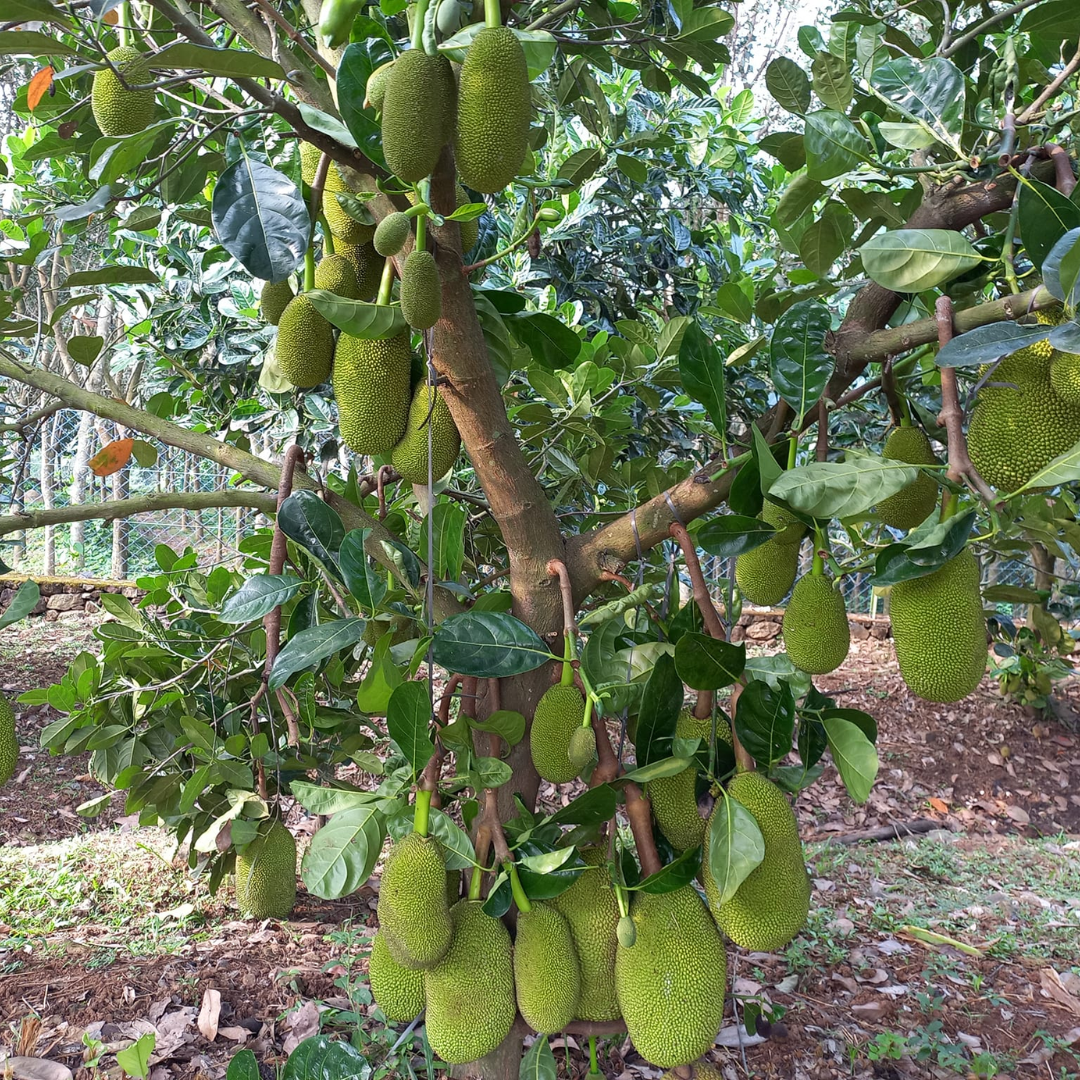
<point x="981" y="27"/>
<point x="1032" y="110"/>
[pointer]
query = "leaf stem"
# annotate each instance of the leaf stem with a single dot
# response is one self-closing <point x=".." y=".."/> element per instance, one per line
<point x="419" y="14"/>
<point x="793" y="449"/>
<point x="513" y="246"/>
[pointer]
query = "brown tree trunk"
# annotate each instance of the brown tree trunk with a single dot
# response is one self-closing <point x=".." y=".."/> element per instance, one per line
<point x="46" y="480"/>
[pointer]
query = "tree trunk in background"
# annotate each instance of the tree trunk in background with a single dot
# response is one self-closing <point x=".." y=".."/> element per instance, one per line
<point x="47" y="436"/>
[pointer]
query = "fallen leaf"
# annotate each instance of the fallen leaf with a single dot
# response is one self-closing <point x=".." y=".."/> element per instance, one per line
<point x="940" y="805"/>
<point x="1018" y="813"/>
<point x="209" y="1013"/>
<point x="237" y="1034"/>
<point x="1055" y="990"/>
<point x="870" y="1010"/>
<point x="28" y="1068"/>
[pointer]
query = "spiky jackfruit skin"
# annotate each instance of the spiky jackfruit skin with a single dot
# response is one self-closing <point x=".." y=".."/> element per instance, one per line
<point x="397" y="990"/>
<point x="274" y="299"/>
<point x="1065" y="378"/>
<point x="558" y="715"/>
<point x="342" y="225"/>
<point x="494" y="110"/>
<point x="421" y="291"/>
<point x="815" y="626"/>
<point x="582" y="747"/>
<point x="375" y="91"/>
<point x="368" y="265"/>
<point x="671" y="983"/>
<point x="305" y="343"/>
<point x="309" y="161"/>
<point x="335" y="273"/>
<point x="418" y="108"/>
<point x="772" y="904"/>
<point x="9" y="744"/>
<point x="119" y="111"/>
<point x="470" y="993"/>
<point x="371" y="386"/>
<point x="410" y="455"/>
<point x="765" y="574"/>
<point x="592" y="911"/>
<point x="391" y="233"/>
<point x="939" y="630"/>
<point x="546" y="971"/>
<point x="790" y="530"/>
<point x="266" y="875"/>
<point x="413" y="914"/>
<point x="910" y="505"/>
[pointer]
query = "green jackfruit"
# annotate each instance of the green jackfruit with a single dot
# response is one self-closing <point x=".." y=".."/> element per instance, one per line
<point x="117" y="110"/>
<point x="9" y="744"/>
<point x="582" y="747"/>
<point x="546" y="971"/>
<point x="310" y="156"/>
<point x="418" y="112"/>
<point x="371" y="386"/>
<point x="765" y="574"/>
<point x="1065" y="378"/>
<point x="266" y="874"/>
<point x="368" y="265"/>
<point x="391" y="233"/>
<point x="344" y="227"/>
<point x="939" y="630"/>
<point x="375" y="90"/>
<point x="305" y="343"/>
<point x="470" y="992"/>
<point x="274" y="299"/>
<point x="413" y="915"/>
<point x="494" y="110"/>
<point x="590" y="907"/>
<point x="626" y="932"/>
<point x="790" y="530"/>
<point x="816" y="633"/>
<point x="558" y="715"/>
<point x="397" y="990"/>
<point x="410" y="455"/>
<point x="913" y="504"/>
<point x="421" y="291"/>
<point x="336" y="274"/>
<point x="671" y="983"/>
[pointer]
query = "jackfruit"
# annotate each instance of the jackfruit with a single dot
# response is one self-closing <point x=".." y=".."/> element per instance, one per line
<point x="391" y="233"/>
<point x="344" y="227"/>
<point x="626" y="932"/>
<point x="582" y="747"/>
<point x="671" y="983"/>
<point x="375" y="90"/>
<point x="815" y="626"/>
<point x="790" y="530"/>
<point x="703" y="1070"/>
<point x="1065" y="378"/>
<point x="371" y="386"/>
<point x="470" y="992"/>
<point x="273" y="300"/>
<point x="911" y="505"/>
<point x="494" y="110"/>
<point x="397" y="990"/>
<point x="592" y="911"/>
<point x="335" y="274"/>
<point x="410" y="455"/>
<point x="266" y="874"/>
<point x="9" y="744"/>
<point x="413" y="914"/>
<point x="558" y="715"/>
<point x="309" y="162"/>
<point x="771" y="905"/>
<point x="546" y="971"/>
<point x="421" y="291"/>
<point x="418" y="112"/>
<point x="118" y="110"/>
<point x="939" y="630"/>
<point x="305" y="343"/>
<point x="368" y="265"/>
<point x="765" y="574"/>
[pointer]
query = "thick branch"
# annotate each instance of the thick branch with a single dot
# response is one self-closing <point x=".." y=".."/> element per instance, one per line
<point x="638" y="811"/>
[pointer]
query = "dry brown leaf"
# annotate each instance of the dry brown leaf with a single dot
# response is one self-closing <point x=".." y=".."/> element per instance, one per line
<point x="1053" y="988"/>
<point x="209" y="1013"/>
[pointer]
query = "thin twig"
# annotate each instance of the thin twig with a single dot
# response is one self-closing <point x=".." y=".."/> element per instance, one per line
<point x="1032" y="110"/>
<point x="294" y="35"/>
<point x="821" y="448"/>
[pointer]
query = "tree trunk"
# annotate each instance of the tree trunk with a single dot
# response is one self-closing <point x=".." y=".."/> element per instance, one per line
<point x="503" y="1063"/>
<point x="46" y="481"/>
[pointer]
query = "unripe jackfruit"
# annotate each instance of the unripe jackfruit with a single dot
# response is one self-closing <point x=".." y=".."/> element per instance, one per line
<point x="470" y="230"/>
<point x="310" y="156"/>
<point x="911" y="505"/>
<point x="470" y="991"/>
<point x="335" y="273"/>
<point x="765" y="574"/>
<point x="816" y="633"/>
<point x="558" y="715"/>
<point x="421" y="291"/>
<point x="418" y="111"/>
<point x="266" y="874"/>
<point x="117" y="110"/>
<point x="939" y="630"/>
<point x="368" y="265"/>
<point x="274" y="299"/>
<point x="344" y="227"/>
<point x="397" y="990"/>
<point x="1065" y="378"/>
<point x="546" y="971"/>
<point x="375" y="90"/>
<point x="671" y="983"/>
<point x="771" y="905"/>
<point x="391" y="233"/>
<point x="582" y="747"/>
<point x="371" y="386"/>
<point x="9" y="744"/>
<point x="410" y="455"/>
<point x="305" y="343"/>
<point x="413" y="914"/>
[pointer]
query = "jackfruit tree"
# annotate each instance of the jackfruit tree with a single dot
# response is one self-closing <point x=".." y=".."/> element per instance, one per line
<point x="541" y="346"/>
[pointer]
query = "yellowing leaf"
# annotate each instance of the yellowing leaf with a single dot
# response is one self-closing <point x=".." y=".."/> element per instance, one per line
<point x="112" y="458"/>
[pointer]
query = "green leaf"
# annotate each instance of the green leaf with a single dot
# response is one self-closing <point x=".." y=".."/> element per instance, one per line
<point x="243" y="1066"/>
<point x="1045" y="215"/>
<point x="382" y="678"/>
<point x="226" y="63"/>
<point x="358" y="61"/>
<point x="788" y="147"/>
<point x="658" y="770"/>
<point x="488" y="644"/>
<point x="596" y="805"/>
<point x="134" y="1060"/>
<point x="833" y="145"/>
<point x="538" y="1063"/>
<point x="22" y="11"/>
<point x="822" y="243"/>
<point x="704" y="663"/>
<point x="408" y="720"/>
<point x="31" y="43"/>
<point x="111" y="275"/>
<point x="705" y="24"/>
<point x="448" y="519"/>
<point x="458" y="853"/>
<point x="661" y="703"/>
<point x="306" y="520"/>
<point x="356" y="318"/>
<point x="988" y="344"/>
<point x="911" y="260"/>
<point x="736" y="846"/>
<point x="800" y="196"/>
<point x="312" y="646"/>
<point x="551" y="342"/>
<point x="490" y="772"/>
<point x="930" y="93"/>
<point x="324" y="1058"/>
<point x="827" y="489"/>
<point x="507" y="724"/>
<point x="798" y="362"/>
<point x="368" y="586"/>
<point x="701" y="369"/>
<point x="581" y="166"/>
<point x="1060" y="281"/>
<point x="832" y="81"/>
<point x="735" y="302"/>
<point x="730" y="535"/>
<point x="1064" y="469"/>
<point x="675" y="875"/>
<point x="22" y="603"/>
<point x="765" y="720"/>
<point x="767" y="468"/>
<point x="788" y="84"/>
<point x="258" y="596"/>
<point x="327" y="124"/>
<point x="1056" y="21"/>
<point x="854" y="755"/>
<point x="318" y="799"/>
<point x="342" y="854"/>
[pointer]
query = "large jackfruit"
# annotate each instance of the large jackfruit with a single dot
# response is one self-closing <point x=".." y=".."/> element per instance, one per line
<point x="671" y="983"/>
<point x="336" y="274"/>
<point x="9" y="744"/>
<point x="911" y="505"/>
<point x="266" y="874"/>
<point x="413" y="913"/>
<point x="771" y="905"/>
<point x="558" y="715"/>
<point x="470" y="992"/>
<point x="375" y="90"/>
<point x="274" y="299"/>
<point x="418" y="110"/>
<point x="368" y="265"/>
<point x="371" y="386"/>
<point x="305" y="344"/>
<point x="421" y="291"/>
<point x="1065" y="378"/>
<point x="397" y="990"/>
<point x="410" y="456"/>
<point x="816" y="632"/>
<point x="939" y="630"/>
<point x="344" y="227"/>
<point x="117" y="110"/>
<point x="546" y="971"/>
<point x="592" y="911"/>
<point x="494" y="110"/>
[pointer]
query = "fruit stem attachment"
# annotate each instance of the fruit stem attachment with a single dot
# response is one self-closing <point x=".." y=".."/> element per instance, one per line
<point x="422" y="812"/>
<point x="328" y="236"/>
<point x="475" y="882"/>
<point x="492" y="13"/>
<point x="421" y="232"/>
<point x="520" y="899"/>
<point x="309" y="269"/>
<point x="123" y="23"/>
<point x="594" y="1068"/>
<point x="817" y="567"/>
<point x="586" y="720"/>
<point x="386" y="285"/>
<point x="792" y="450"/>
<point x="620" y="899"/>
<point x="417" y="36"/>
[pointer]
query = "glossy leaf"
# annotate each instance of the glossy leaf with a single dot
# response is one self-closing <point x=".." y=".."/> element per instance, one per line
<point x="258" y="596"/>
<point x="798" y="361"/>
<point x="596" y="805"/>
<point x="343" y="853"/>
<point x="832" y="81"/>
<point x="675" y="875"/>
<point x="701" y="369"/>
<point x="1045" y="216"/>
<point x="988" y="344"/>
<point x="538" y="1062"/>
<point x="488" y="644"/>
<point x="788" y="84"/>
<point x="661" y="703"/>
<point x="552" y="343"/>
<point x="22" y="603"/>
<point x="736" y="846"/>
<point x="312" y="646"/>
<point x="324" y="1058"/>
<point x="507" y="724"/>
<point x="358" y="61"/>
<point x="853" y="754"/>
<point x="911" y="260"/>
<point x="730" y="535"/>
<point x="357" y="319"/>
<point x="367" y="585"/>
<point x="930" y="93"/>
<point x="306" y="520"/>
<point x="704" y="663"/>
<point x="833" y="144"/>
<point x="827" y="489"/>
<point x="1064" y="469"/>
<point x="765" y="720"/>
<point x="408" y="723"/>
<point x="243" y="1065"/>
<point x="227" y="63"/>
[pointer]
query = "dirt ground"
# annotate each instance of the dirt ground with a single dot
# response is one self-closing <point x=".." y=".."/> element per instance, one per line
<point x="955" y="952"/>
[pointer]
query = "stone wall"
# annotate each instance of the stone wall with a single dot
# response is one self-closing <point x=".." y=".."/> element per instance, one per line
<point x="64" y="596"/>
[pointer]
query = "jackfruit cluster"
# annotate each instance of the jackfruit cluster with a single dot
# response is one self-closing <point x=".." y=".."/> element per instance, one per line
<point x="547" y="974"/>
<point x="815" y="625"/>
<point x="305" y="343"/>
<point x="368" y="267"/>
<point x="939" y="630"/>
<point x="413" y="915"/>
<point x="557" y="716"/>
<point x="371" y="387"/>
<point x="419" y="105"/>
<point x="266" y="874"/>
<point x="397" y="990"/>
<point x="9" y="744"/>
<point x="274" y="299"/>
<point x="911" y="505"/>
<point x="119" y="110"/>
<point x="428" y="411"/>
<point x="342" y="224"/>
<point x="765" y="574"/>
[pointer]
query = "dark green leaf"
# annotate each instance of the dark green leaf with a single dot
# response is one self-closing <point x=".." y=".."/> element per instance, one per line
<point x="581" y="166"/>
<point x="243" y="1066"/>
<point x="1056" y="21"/>
<point x="675" y="875"/>
<point x="551" y="342"/>
<point x="704" y="663"/>
<point x="661" y="703"/>
<point x="798" y="361"/>
<point x="408" y="721"/>
<point x="227" y="63"/>
<point x="488" y="644"/>
<point x="357" y="63"/>
<point x="357" y="319"/>
<point x="658" y="770"/>
<point x="368" y="586"/>
<point x="31" y="43"/>
<point x="537" y="1064"/>
<point x="323" y="1058"/>
<point x="449" y="538"/>
<point x="111" y="275"/>
<point x="489" y="772"/>
<point x="306" y="520"/>
<point x="833" y="145"/>
<point x="928" y="92"/>
<point x="596" y="805"/>
<point x="507" y="724"/>
<point x="854" y="756"/>
<point x="788" y="84"/>
<point x="788" y="147"/>
<point x="765" y="720"/>
<point x="312" y="646"/>
<point x="1056" y="277"/>
<point x="22" y="11"/>
<point x="457" y="849"/>
<point x="798" y="198"/>
<point x="988" y="344"/>
<point x="730" y="535"/>
<point x="832" y="81"/>
<point x="701" y="369"/>
<point x="736" y="846"/>
<point x="1045" y="215"/>
<point x="936" y="542"/>
<point x="862" y="720"/>
<point x="22" y="603"/>
<point x="258" y="596"/>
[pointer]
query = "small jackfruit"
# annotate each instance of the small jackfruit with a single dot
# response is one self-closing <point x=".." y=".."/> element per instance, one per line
<point x="546" y="971"/>
<point x="375" y="90"/>
<point x="413" y="915"/>
<point x="494" y="110"/>
<point x="1065" y="378"/>
<point x="368" y="265"/>
<point x="470" y="992"/>
<point x="266" y="874"/>
<point x="790" y="530"/>
<point x="939" y="630"/>
<point x="418" y="109"/>
<point x="558" y="715"/>
<point x="305" y="343"/>
<point x="410" y="455"/>
<point x="421" y="291"/>
<point x="771" y="905"/>
<point x="371" y="387"/>
<point x="342" y="224"/>
<point x="397" y="990"/>
<point x="911" y="505"/>
<point x="765" y="574"/>
<point x="816" y="632"/>
<point x="582" y="747"/>
<point x="9" y="744"/>
<point x="671" y="983"/>
<point x="626" y="932"/>
<point x="336" y="274"/>
<point x="391" y="233"/>
<point x="273" y="300"/>
<point x="118" y="110"/>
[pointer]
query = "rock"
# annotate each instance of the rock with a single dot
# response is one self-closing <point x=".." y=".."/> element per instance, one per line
<point x="738" y="633"/>
<point x="763" y="630"/>
<point x="880" y="631"/>
<point x="92" y="608"/>
<point x="65" y="602"/>
<point x="52" y="615"/>
<point x="859" y="630"/>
